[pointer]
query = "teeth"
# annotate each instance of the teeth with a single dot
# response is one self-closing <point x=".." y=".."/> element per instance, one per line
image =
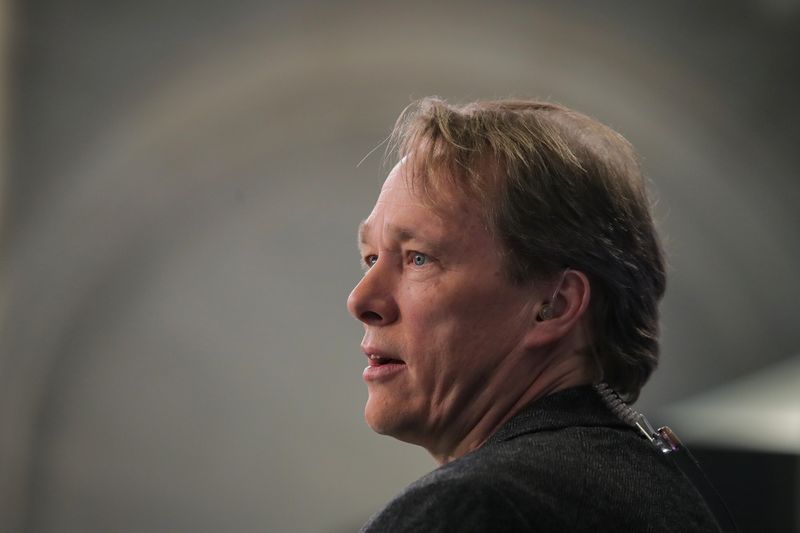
<point x="374" y="357"/>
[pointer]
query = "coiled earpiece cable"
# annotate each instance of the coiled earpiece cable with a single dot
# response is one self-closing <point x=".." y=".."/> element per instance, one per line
<point x="668" y="443"/>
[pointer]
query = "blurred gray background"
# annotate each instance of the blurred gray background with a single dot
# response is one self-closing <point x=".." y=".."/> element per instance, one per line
<point x="179" y="203"/>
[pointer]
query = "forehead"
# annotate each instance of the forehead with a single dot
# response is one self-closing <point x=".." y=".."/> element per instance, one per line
<point x="405" y="191"/>
<point x="406" y="209"/>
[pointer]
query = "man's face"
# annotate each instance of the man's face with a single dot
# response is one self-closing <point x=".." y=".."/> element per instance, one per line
<point x="443" y="324"/>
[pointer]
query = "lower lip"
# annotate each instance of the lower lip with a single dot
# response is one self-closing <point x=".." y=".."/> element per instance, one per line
<point x="382" y="372"/>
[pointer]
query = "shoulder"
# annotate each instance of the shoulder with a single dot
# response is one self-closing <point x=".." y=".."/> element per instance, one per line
<point x="499" y="488"/>
<point x="456" y="497"/>
<point x="573" y="479"/>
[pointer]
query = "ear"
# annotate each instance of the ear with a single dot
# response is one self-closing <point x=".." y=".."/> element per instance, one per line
<point x="563" y="313"/>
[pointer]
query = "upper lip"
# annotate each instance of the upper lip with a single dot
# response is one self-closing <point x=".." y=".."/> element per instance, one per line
<point x="374" y="351"/>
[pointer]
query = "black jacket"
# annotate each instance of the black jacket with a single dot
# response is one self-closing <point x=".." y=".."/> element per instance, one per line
<point x="564" y="464"/>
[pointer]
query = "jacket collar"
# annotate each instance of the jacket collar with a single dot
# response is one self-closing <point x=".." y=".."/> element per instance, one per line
<point x="578" y="406"/>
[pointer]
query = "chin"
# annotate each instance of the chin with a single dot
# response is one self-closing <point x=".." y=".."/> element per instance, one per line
<point x="375" y="418"/>
<point x="385" y="420"/>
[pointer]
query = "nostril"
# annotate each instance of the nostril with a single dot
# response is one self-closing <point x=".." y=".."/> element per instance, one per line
<point x="370" y="317"/>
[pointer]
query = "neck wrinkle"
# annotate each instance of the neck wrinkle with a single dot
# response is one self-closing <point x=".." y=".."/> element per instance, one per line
<point x="558" y="375"/>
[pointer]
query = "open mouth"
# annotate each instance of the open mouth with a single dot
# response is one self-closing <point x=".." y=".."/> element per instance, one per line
<point x="377" y="360"/>
<point x="382" y="369"/>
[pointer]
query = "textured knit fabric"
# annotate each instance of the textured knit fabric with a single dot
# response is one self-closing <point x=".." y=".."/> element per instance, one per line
<point x="564" y="464"/>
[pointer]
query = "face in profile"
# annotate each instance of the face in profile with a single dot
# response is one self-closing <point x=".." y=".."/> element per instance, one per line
<point x="443" y="324"/>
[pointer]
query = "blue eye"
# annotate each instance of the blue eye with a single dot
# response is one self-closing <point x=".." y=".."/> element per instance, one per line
<point x="419" y="259"/>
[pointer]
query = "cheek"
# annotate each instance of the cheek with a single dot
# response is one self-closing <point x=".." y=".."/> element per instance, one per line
<point x="431" y="327"/>
<point x="458" y="318"/>
<point x="485" y="322"/>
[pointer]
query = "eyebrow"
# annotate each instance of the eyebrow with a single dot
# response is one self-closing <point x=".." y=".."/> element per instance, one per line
<point x="402" y="234"/>
<point x="362" y="229"/>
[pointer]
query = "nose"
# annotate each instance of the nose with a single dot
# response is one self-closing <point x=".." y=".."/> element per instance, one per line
<point x="371" y="300"/>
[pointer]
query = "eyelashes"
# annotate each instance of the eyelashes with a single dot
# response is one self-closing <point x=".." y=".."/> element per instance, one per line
<point x="414" y="258"/>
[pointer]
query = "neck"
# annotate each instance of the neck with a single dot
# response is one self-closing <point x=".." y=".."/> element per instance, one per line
<point x="488" y="413"/>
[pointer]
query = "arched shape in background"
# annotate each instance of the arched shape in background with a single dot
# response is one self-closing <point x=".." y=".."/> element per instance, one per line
<point x="175" y="350"/>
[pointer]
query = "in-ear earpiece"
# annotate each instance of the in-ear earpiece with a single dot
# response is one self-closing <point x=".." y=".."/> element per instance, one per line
<point x="547" y="311"/>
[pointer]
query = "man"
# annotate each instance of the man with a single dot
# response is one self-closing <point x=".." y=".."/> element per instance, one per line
<point x="510" y="263"/>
